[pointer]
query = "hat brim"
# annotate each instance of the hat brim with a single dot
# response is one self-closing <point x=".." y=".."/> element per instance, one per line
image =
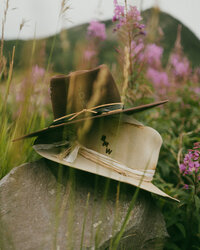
<point x="84" y="164"/>
<point x="128" y="111"/>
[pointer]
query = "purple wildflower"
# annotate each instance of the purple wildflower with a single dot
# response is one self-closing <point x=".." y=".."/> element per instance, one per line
<point x="196" y="145"/>
<point x="136" y="48"/>
<point x="134" y="14"/>
<point x="182" y="168"/>
<point x="118" y="12"/>
<point x="19" y="91"/>
<point x="89" y="53"/>
<point x="131" y="17"/>
<point x="153" y="54"/>
<point x="197" y="90"/>
<point x="37" y="73"/>
<point x="158" y="78"/>
<point x="97" y="30"/>
<point x="191" y="161"/>
<point x="181" y="66"/>
<point x="186" y="186"/>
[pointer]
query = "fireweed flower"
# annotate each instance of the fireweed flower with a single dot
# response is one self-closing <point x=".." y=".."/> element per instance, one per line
<point x="96" y="30"/>
<point x="158" y="78"/>
<point x="197" y="90"/>
<point x="180" y="65"/>
<point x="96" y="33"/>
<point x="137" y="48"/>
<point x="89" y="53"/>
<point x="119" y="12"/>
<point x="131" y="33"/>
<point x="132" y="18"/>
<point x="186" y="186"/>
<point x="153" y="55"/>
<point x="191" y="163"/>
<point x="37" y="73"/>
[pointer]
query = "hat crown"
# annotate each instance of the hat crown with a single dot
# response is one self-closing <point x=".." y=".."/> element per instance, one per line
<point x="135" y="146"/>
<point x="81" y="90"/>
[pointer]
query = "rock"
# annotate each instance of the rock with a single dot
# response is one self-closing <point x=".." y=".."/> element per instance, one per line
<point x="47" y="206"/>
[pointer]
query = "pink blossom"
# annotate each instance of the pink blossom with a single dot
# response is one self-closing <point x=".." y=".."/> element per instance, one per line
<point x="97" y="30"/>
<point x="181" y="66"/>
<point x="19" y="92"/>
<point x="134" y="14"/>
<point x="191" y="161"/>
<point x="88" y="54"/>
<point x="158" y="78"/>
<point x="131" y="17"/>
<point x="37" y="73"/>
<point x="197" y="90"/>
<point x="136" y="48"/>
<point x="182" y="168"/>
<point x="186" y="186"/>
<point x="196" y="145"/>
<point x="118" y="12"/>
<point x="153" y="54"/>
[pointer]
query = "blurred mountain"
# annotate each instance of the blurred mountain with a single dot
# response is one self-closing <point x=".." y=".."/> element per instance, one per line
<point x="62" y="51"/>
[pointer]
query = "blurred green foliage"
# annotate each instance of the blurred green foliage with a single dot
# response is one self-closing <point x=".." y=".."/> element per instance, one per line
<point x="73" y="36"/>
<point x="178" y="123"/>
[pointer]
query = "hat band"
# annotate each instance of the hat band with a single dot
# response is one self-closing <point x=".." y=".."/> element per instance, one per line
<point x="107" y="162"/>
<point x="97" y="110"/>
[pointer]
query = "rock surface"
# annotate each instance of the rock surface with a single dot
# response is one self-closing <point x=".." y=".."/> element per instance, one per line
<point x="46" y="206"/>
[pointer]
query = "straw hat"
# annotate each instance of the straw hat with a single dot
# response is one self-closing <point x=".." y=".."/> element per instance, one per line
<point x="115" y="145"/>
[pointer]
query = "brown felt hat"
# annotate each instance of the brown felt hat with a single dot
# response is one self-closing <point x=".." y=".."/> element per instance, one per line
<point x="84" y="95"/>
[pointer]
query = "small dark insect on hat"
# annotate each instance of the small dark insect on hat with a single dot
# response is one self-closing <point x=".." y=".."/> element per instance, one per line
<point x="121" y="149"/>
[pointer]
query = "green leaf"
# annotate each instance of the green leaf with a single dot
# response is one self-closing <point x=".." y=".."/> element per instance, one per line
<point x="197" y="201"/>
<point x="181" y="228"/>
<point x="171" y="245"/>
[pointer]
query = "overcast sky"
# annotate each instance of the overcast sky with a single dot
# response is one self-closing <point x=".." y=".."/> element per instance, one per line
<point x="42" y="16"/>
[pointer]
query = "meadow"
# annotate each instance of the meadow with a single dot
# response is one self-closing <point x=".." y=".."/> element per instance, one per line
<point x="146" y="69"/>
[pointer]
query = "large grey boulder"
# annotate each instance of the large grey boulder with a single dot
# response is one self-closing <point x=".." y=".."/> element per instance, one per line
<point x="46" y="206"/>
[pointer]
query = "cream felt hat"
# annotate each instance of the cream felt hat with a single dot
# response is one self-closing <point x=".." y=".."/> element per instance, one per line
<point x="123" y="150"/>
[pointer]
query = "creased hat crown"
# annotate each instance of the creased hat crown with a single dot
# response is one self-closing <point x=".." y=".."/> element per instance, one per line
<point x="81" y="90"/>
